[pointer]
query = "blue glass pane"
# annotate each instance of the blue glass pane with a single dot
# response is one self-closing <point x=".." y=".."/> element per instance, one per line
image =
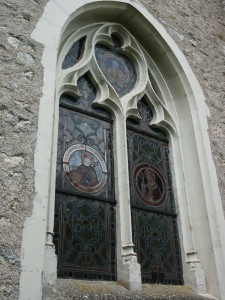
<point x="74" y="54"/>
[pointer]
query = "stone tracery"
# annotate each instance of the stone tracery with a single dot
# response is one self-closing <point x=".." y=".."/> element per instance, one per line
<point x="117" y="67"/>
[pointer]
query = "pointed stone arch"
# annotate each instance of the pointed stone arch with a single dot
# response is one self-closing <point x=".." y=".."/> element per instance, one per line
<point x="182" y="111"/>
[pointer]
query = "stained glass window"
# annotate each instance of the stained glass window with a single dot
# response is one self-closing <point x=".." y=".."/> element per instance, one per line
<point x="85" y="222"/>
<point x="85" y="219"/>
<point x="118" y="69"/>
<point x="85" y="101"/>
<point x="154" y="223"/>
<point x="74" y="54"/>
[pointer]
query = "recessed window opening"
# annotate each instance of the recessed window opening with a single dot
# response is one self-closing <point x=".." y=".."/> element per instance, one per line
<point x="87" y="206"/>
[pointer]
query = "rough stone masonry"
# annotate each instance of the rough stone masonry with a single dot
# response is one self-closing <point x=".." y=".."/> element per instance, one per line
<point x="198" y="28"/>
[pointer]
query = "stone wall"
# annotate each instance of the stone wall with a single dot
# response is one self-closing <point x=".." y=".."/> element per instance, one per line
<point x="20" y="91"/>
<point x="197" y="26"/>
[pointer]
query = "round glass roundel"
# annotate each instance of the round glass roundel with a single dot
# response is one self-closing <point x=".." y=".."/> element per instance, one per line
<point x="118" y="69"/>
<point x="85" y="169"/>
<point x="149" y="185"/>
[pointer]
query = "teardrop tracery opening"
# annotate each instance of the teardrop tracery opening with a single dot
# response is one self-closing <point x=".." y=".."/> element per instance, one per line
<point x="74" y="54"/>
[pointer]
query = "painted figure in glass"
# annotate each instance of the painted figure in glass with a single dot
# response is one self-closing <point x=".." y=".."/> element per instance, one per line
<point x="149" y="185"/>
<point x="85" y="173"/>
<point x="150" y="188"/>
<point x="116" y="69"/>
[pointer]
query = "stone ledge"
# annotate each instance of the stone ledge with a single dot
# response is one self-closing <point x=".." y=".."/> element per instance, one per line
<point x="96" y="290"/>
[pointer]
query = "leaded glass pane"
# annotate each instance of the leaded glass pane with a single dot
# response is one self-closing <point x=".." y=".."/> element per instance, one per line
<point x="85" y="238"/>
<point x="74" y="54"/>
<point x="144" y="124"/>
<point x="157" y="247"/>
<point x="154" y="223"/>
<point x="118" y="69"/>
<point x="84" y="162"/>
<point x="150" y="177"/>
<point x="85" y="225"/>
<point x="85" y="101"/>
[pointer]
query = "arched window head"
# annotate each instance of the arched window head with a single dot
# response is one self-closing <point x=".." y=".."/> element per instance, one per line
<point x="104" y="76"/>
<point x="117" y="66"/>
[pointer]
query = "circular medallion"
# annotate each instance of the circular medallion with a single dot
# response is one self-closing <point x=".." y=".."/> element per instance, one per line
<point x="118" y="69"/>
<point x="115" y="68"/>
<point x="149" y="184"/>
<point x="85" y="168"/>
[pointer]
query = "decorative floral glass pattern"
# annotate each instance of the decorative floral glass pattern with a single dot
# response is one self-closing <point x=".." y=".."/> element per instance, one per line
<point x="85" y="215"/>
<point x="153" y="211"/>
<point x="85" y="225"/>
<point x="150" y="176"/>
<point x="85" y="238"/>
<point x="157" y="247"/>
<point x="118" y="69"/>
<point x="84" y="154"/>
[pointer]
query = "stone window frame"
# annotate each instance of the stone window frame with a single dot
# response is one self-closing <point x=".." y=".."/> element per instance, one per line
<point x="184" y="114"/>
<point x="128" y="269"/>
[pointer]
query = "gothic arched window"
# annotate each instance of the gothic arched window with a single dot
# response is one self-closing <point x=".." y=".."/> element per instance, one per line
<point x="113" y="171"/>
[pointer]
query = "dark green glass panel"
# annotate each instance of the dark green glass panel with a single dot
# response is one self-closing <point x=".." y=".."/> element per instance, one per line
<point x="156" y="243"/>
<point x="154" y="222"/>
<point x="88" y="253"/>
<point x="84" y="211"/>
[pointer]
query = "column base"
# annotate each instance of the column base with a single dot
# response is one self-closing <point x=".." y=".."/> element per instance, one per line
<point x="129" y="273"/>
